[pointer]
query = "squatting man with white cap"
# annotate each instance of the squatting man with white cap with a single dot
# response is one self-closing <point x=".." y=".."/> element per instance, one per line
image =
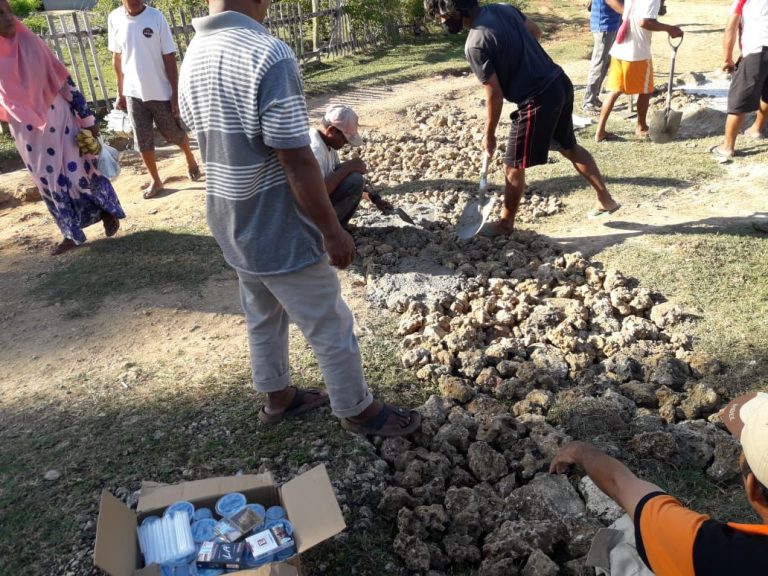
<point x="344" y="180"/>
<point x="671" y="539"/>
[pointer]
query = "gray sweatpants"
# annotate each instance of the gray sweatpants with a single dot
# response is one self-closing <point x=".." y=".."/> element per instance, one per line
<point x="311" y="298"/>
<point x="598" y="66"/>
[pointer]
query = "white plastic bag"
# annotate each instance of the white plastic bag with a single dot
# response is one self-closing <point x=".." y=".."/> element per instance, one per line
<point x="108" y="162"/>
<point x="118" y="121"/>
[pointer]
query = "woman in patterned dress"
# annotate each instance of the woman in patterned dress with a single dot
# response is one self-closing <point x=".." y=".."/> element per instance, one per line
<point x="45" y="111"/>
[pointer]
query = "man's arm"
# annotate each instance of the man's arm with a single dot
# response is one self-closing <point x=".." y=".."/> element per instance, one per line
<point x="655" y="26"/>
<point x="305" y="179"/>
<point x="729" y="41"/>
<point x="616" y="5"/>
<point x="611" y="476"/>
<point x="169" y="61"/>
<point x="494" y="102"/>
<point x="335" y="178"/>
<point x="117" y="63"/>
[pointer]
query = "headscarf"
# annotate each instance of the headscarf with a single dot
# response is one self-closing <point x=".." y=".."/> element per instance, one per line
<point x="30" y="77"/>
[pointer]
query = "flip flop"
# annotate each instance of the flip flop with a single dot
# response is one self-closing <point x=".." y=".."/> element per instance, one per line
<point x="150" y="191"/>
<point x="297" y="406"/>
<point x="609" y="137"/>
<point x="64" y="246"/>
<point x="111" y="224"/>
<point x="754" y="135"/>
<point x="599" y="212"/>
<point x="720" y="155"/>
<point x="375" y="425"/>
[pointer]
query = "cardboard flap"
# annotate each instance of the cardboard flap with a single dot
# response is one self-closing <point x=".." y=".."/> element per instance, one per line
<point x="155" y="496"/>
<point x="271" y="570"/>
<point x="312" y="508"/>
<point x="115" y="550"/>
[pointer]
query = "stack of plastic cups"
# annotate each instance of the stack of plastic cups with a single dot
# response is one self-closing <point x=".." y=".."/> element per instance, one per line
<point x="274" y="513"/>
<point x="230" y="504"/>
<point x="291" y="550"/>
<point x="181" y="506"/>
<point x="259" y="510"/>
<point x="202" y="514"/>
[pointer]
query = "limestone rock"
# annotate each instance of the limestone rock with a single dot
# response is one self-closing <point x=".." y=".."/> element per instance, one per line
<point x="598" y="504"/>
<point x="485" y="463"/>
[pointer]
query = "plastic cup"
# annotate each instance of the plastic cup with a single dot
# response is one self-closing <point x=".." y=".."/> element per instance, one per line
<point x="230" y="504"/>
<point x="181" y="506"/>
<point x="275" y="513"/>
<point x="203" y="530"/>
<point x="291" y="550"/>
<point x="150" y="520"/>
<point x="202" y="514"/>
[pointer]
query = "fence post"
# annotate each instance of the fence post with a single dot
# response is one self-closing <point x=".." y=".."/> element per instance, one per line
<point x="95" y="56"/>
<point x="72" y="61"/>
<point x="315" y="25"/>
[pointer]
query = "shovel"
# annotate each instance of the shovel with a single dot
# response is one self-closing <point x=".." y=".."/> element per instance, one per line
<point x="665" y="123"/>
<point x="476" y="212"/>
<point x="399" y="212"/>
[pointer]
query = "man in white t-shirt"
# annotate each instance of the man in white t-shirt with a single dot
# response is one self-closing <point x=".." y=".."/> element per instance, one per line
<point x="631" y="70"/>
<point x="344" y="180"/>
<point x="749" y="83"/>
<point x="147" y="77"/>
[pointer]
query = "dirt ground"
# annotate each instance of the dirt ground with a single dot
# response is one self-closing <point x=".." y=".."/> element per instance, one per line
<point x="43" y="344"/>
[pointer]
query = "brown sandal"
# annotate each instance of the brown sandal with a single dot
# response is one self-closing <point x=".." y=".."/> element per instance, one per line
<point x="375" y="425"/>
<point x="299" y="405"/>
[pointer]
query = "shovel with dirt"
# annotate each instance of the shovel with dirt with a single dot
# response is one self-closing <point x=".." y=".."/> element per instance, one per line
<point x="665" y="123"/>
<point x="476" y="213"/>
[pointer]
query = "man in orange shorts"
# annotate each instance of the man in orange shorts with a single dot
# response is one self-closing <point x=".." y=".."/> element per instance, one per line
<point x="631" y="70"/>
<point x="670" y="538"/>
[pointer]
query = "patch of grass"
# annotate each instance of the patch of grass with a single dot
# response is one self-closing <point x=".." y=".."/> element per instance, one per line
<point x="719" y="275"/>
<point x="408" y="60"/>
<point x="147" y="259"/>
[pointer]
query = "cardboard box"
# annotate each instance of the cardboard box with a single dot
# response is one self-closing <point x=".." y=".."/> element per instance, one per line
<point x="308" y="500"/>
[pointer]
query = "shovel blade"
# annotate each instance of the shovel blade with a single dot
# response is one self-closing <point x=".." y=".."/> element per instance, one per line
<point x="664" y="126"/>
<point x="470" y="222"/>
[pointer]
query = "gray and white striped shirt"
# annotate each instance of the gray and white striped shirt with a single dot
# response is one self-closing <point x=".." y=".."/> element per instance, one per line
<point x="240" y="91"/>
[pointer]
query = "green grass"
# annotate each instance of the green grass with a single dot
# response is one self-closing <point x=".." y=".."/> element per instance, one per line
<point x="408" y="60"/>
<point x="720" y="276"/>
<point x="144" y="260"/>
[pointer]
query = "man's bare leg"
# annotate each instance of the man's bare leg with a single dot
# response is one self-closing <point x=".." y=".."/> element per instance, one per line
<point x="192" y="166"/>
<point x="762" y="115"/>
<point x="150" y="161"/>
<point x="586" y="166"/>
<point x="605" y="112"/>
<point x="732" y="128"/>
<point x="643" y="102"/>
<point x="514" y="186"/>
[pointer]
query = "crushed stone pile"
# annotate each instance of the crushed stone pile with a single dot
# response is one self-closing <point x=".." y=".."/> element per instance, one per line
<point x="529" y="347"/>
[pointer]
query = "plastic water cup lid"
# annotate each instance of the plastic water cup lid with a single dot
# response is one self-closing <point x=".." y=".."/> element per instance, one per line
<point x="149" y="520"/>
<point x="275" y="513"/>
<point x="203" y="513"/>
<point x="258" y="509"/>
<point x="230" y="503"/>
<point x="204" y="530"/>
<point x="181" y="506"/>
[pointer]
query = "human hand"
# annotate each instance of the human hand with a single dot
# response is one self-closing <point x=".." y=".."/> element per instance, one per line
<point x="94" y="129"/>
<point x="356" y="165"/>
<point x="729" y="65"/>
<point x="675" y="32"/>
<point x="340" y="248"/>
<point x="489" y="143"/>
<point x="175" y="106"/>
<point x="569" y="455"/>
<point x="383" y="206"/>
<point x="121" y="104"/>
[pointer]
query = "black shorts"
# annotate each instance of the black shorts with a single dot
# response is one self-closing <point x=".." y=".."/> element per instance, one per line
<point x="749" y="83"/>
<point x="540" y="124"/>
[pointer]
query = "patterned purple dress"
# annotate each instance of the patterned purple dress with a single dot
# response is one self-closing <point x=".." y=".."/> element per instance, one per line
<point x="71" y="186"/>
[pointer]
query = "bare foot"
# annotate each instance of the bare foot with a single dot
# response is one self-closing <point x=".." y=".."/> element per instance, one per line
<point x="194" y="173"/>
<point x="642" y="133"/>
<point x="498" y="228"/>
<point x="64" y="246"/>
<point x="152" y="190"/>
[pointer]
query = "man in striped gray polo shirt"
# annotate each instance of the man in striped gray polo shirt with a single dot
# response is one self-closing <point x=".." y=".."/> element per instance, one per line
<point x="241" y="93"/>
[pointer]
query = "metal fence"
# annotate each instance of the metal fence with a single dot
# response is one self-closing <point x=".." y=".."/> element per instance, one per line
<point x="325" y="32"/>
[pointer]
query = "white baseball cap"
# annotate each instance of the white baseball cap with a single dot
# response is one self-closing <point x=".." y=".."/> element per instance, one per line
<point x="746" y="417"/>
<point x="344" y="119"/>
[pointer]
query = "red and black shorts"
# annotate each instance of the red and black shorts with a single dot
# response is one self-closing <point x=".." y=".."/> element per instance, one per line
<point x="540" y="124"/>
<point x="749" y="83"/>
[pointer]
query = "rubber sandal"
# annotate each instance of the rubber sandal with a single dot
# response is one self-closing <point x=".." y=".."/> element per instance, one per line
<point x="609" y="137"/>
<point x="64" y="246"/>
<point x="150" y="191"/>
<point x="720" y="155"/>
<point x="599" y="212"/>
<point x="754" y="135"/>
<point x="111" y="224"/>
<point x="296" y="407"/>
<point x="375" y="425"/>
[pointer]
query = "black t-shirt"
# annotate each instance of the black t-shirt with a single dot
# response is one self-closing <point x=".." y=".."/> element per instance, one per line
<point x="499" y="43"/>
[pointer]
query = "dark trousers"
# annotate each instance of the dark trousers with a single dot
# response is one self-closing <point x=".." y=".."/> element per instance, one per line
<point x="347" y="196"/>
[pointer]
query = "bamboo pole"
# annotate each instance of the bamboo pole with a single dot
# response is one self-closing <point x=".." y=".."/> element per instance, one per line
<point x="73" y="63"/>
<point x="52" y="29"/>
<point x="96" y="63"/>
<point x="84" y="57"/>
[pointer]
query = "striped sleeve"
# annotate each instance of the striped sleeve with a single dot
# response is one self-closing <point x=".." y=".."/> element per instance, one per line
<point x="282" y="107"/>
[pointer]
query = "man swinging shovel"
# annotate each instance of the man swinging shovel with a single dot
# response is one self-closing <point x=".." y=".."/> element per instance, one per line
<point x="665" y="123"/>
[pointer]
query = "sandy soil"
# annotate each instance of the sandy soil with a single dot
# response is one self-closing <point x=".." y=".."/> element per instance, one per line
<point x="185" y="333"/>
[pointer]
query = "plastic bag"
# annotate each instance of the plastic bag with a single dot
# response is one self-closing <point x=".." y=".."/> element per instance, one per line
<point x="118" y="121"/>
<point x="108" y="162"/>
